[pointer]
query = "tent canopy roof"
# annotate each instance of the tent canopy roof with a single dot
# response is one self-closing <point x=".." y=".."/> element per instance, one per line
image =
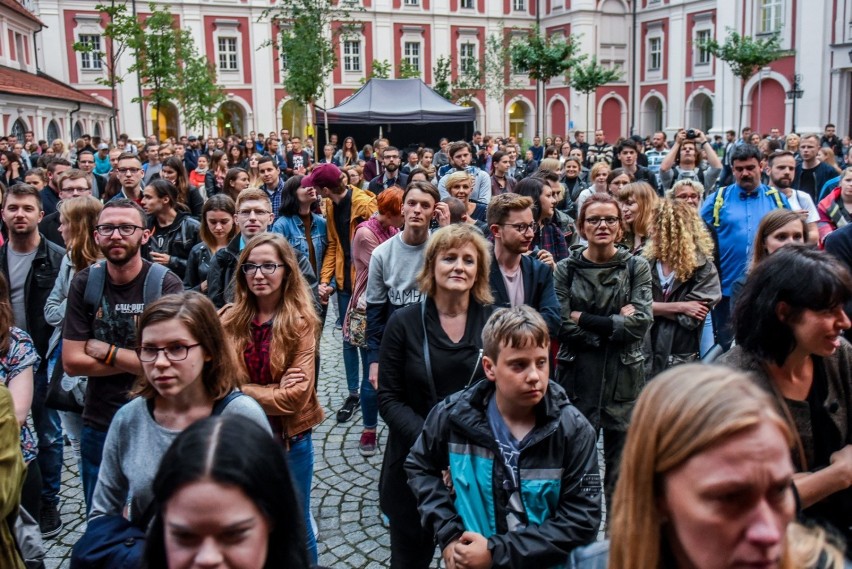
<point x="394" y="101"/>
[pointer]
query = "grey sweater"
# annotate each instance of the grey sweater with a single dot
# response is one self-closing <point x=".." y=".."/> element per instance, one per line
<point x="134" y="446"/>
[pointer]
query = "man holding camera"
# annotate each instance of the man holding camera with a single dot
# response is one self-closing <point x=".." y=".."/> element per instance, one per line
<point x="684" y="161"/>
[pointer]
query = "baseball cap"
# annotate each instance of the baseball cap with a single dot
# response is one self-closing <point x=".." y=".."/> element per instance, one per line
<point x="323" y="176"/>
<point x="103" y="146"/>
<point x="192" y="138"/>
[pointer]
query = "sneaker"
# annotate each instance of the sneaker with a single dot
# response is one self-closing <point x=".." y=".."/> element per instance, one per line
<point x="368" y="446"/>
<point x="348" y="408"/>
<point x="49" y="521"/>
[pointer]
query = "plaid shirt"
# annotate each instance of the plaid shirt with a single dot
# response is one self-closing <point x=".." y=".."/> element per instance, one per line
<point x="256" y="353"/>
<point x="551" y="239"/>
<point x="275" y="197"/>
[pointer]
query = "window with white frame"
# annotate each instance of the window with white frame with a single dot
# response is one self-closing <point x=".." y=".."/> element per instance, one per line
<point x="701" y="38"/>
<point x="411" y="3"/>
<point x="771" y="16"/>
<point x="467" y="4"/>
<point x="411" y="54"/>
<point x="91" y="60"/>
<point x="467" y="58"/>
<point x="655" y="53"/>
<point x="519" y="5"/>
<point x="228" y="57"/>
<point x="352" y="56"/>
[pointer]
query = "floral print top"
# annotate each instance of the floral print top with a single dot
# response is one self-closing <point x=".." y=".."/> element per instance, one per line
<point x="21" y="355"/>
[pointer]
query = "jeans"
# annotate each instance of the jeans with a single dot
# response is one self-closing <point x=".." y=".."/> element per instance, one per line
<point x="707" y="340"/>
<point x="369" y="400"/>
<point x="49" y="430"/>
<point x="91" y="452"/>
<point x="300" y="459"/>
<point x="73" y="425"/>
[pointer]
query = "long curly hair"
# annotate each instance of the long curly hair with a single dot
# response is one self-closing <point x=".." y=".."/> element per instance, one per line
<point x="679" y="238"/>
<point x="296" y="315"/>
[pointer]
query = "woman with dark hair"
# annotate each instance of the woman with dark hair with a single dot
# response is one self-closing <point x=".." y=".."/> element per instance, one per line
<point x="301" y="221"/>
<point x="236" y="180"/>
<point x="237" y="157"/>
<point x="605" y="298"/>
<point x="573" y="183"/>
<point x="173" y="231"/>
<point x="217" y="230"/>
<point x="501" y="181"/>
<point x="214" y="179"/>
<point x="13" y="168"/>
<point x="188" y="371"/>
<point x="219" y="474"/>
<point x="548" y="235"/>
<point x="418" y="174"/>
<point x="347" y="156"/>
<point x="788" y="323"/>
<point x="174" y="171"/>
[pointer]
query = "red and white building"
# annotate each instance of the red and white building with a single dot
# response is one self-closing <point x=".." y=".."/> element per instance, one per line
<point x="667" y="82"/>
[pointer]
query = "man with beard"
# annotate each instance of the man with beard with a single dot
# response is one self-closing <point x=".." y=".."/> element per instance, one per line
<point x="99" y="338"/>
<point x="517" y="278"/>
<point x="782" y="170"/>
<point x="391" y="176"/>
<point x="97" y="182"/>
<point x="30" y="264"/>
<point x="460" y="159"/>
<point x="732" y="214"/>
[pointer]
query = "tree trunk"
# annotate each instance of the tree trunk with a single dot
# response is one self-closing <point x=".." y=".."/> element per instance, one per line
<point x="588" y="94"/>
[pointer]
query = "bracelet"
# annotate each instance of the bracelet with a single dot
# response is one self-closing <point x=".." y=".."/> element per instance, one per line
<point x="110" y="357"/>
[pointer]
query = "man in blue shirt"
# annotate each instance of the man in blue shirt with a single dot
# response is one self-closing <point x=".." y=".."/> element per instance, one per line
<point x="732" y="215"/>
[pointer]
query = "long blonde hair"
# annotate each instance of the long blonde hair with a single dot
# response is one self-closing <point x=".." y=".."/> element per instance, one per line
<point x="644" y="195"/>
<point x="678" y="237"/>
<point x="684" y="411"/>
<point x="81" y="215"/>
<point x="296" y="315"/>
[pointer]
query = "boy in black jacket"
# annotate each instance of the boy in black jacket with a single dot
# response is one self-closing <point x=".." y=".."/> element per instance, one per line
<point x="506" y="472"/>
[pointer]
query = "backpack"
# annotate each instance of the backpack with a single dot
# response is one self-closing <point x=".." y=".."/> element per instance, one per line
<point x="151" y="290"/>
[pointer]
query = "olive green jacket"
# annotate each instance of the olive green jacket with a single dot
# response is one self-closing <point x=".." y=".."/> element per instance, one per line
<point x="12" y="472"/>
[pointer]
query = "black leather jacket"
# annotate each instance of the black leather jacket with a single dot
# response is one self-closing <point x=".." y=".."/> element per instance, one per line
<point x="39" y="284"/>
<point x="176" y="241"/>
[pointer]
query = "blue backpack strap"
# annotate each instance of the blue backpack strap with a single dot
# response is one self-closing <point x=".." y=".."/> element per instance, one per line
<point x="94" y="287"/>
<point x="153" y="287"/>
<point x="220" y="405"/>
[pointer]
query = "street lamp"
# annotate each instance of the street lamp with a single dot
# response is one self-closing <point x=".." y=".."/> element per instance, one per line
<point x="796" y="93"/>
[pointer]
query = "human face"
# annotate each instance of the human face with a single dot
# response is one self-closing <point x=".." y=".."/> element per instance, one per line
<point x="241" y="182"/>
<point x="629" y="210"/>
<point x="269" y="174"/>
<point x="169" y="174"/>
<point x="172" y="378"/>
<point x="599" y="137"/>
<point x="118" y="249"/>
<point x="829" y="131"/>
<point x="64" y="228"/>
<point x="618" y="182"/>
<point x="4" y="162"/>
<point x="461" y="159"/>
<point x="36" y="181"/>
<point x="208" y="524"/>
<point x="203" y="163"/>
<point x="74" y="188"/>
<point x="816" y="332"/>
<point x="536" y="141"/>
<point x="219" y="223"/>
<point x="730" y="505"/>
<point x="260" y="284"/>
<point x="688" y="194"/>
<point x="253" y="217"/>
<point x="514" y="241"/>
<point x="354" y="177"/>
<point x="306" y="195"/>
<point x="783" y="171"/>
<point x="390" y="158"/>
<point x="297" y="144"/>
<point x="418" y="209"/>
<point x="687" y="152"/>
<point x="455" y="269"/>
<point x="576" y="153"/>
<point x="504" y="164"/>
<point x="846" y="187"/>
<point x="789" y="233"/>
<point x="426" y="161"/>
<point x="572" y="169"/>
<point x="547" y="200"/>
<point x="601" y="234"/>
<point x="130" y="173"/>
<point x="22" y="214"/>
<point x="774" y="132"/>
<point x="808" y="148"/>
<point x="152" y="203"/>
<point x="747" y="173"/>
<point x="658" y="140"/>
<point x="520" y="375"/>
<point x="86" y="163"/>
<point x="461" y="190"/>
<point x="627" y="157"/>
<point x="154" y="154"/>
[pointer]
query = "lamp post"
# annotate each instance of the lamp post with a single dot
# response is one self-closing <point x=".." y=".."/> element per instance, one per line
<point x="796" y="93"/>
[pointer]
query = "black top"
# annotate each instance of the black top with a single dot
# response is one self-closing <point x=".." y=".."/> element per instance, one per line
<point x="342" y="219"/>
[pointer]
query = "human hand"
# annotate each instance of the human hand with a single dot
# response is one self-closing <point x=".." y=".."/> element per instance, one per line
<point x="546" y="257"/>
<point x="448" y="554"/>
<point x="471" y="552"/>
<point x="695" y="309"/>
<point x="97" y="349"/>
<point x="324" y="292"/>
<point x="700" y="137"/>
<point x="842" y="459"/>
<point x="373" y="376"/>
<point x="203" y="286"/>
<point x="442" y="214"/>
<point x="680" y="136"/>
<point x="291" y="377"/>
<point x="627" y="310"/>
<point x="575" y="316"/>
<point x="161" y="258"/>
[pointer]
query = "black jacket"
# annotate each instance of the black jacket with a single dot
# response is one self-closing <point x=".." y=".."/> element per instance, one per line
<point x="377" y="184"/>
<point x="39" y="285"/>
<point x="645" y="175"/>
<point x="49" y="227"/>
<point x="177" y="241"/>
<point x="538" y="290"/>
<point x="197" y="266"/>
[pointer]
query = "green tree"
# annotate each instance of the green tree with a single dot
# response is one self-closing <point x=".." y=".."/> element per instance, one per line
<point x="443" y="73"/>
<point x="407" y="70"/>
<point x="159" y="51"/>
<point x="745" y="56"/>
<point x="122" y="33"/>
<point x="380" y="70"/>
<point x="587" y="77"/>
<point x="199" y="95"/>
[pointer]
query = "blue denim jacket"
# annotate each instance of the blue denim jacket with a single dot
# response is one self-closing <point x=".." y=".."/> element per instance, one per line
<point x="292" y="228"/>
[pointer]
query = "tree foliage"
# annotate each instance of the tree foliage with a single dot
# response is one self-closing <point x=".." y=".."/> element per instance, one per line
<point x="381" y="69"/>
<point x="199" y="95"/>
<point x="443" y="75"/>
<point x="407" y="70"/>
<point x="587" y="77"/>
<point x="543" y="58"/>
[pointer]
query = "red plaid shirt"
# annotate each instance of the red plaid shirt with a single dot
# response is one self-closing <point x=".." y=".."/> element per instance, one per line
<point x="256" y="353"/>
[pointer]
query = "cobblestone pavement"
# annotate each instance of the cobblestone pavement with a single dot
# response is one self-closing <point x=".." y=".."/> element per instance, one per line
<point x="345" y="497"/>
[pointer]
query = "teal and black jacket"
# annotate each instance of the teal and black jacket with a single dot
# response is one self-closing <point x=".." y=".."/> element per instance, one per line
<point x="559" y="479"/>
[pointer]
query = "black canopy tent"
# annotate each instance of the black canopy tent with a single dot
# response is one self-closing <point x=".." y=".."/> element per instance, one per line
<point x="406" y="111"/>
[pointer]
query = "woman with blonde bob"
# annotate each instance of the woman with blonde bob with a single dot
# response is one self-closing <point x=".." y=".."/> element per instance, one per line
<point x="706" y="481"/>
<point x="638" y="200"/>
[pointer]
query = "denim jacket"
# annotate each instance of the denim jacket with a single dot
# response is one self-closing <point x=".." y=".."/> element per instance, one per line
<point x="293" y="229"/>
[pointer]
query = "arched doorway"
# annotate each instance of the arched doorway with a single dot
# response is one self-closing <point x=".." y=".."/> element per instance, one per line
<point x="293" y="117"/>
<point x="558" y="122"/>
<point x="77" y="131"/>
<point x="767" y="107"/>
<point x="164" y="121"/>
<point x="18" y="129"/>
<point x="471" y="103"/>
<point x="701" y="112"/>
<point x="52" y="132"/>
<point x="652" y="116"/>
<point x="231" y="119"/>
<point x="612" y="118"/>
<point x="521" y="122"/>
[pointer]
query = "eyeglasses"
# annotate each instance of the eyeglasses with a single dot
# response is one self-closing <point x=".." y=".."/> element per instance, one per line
<point x="131" y="171"/>
<point x="522" y="227"/>
<point x="175" y="353"/>
<point x="125" y="230"/>
<point x="250" y="269"/>
<point x="596" y="221"/>
<point x="246" y="213"/>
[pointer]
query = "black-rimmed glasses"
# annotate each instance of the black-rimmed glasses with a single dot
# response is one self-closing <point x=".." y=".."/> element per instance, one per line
<point x="173" y="353"/>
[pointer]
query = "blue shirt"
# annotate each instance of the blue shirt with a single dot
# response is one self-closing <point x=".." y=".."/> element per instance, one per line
<point x="275" y="196"/>
<point x="739" y="216"/>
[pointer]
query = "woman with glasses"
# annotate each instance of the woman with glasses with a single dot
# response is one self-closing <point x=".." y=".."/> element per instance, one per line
<point x="217" y="230"/>
<point x="605" y="297"/>
<point x="689" y="191"/>
<point x="273" y="326"/>
<point x="188" y="373"/>
<point x="173" y="231"/>
<point x="174" y="171"/>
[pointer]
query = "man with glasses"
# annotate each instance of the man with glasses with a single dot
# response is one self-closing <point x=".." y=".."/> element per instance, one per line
<point x="253" y="217"/>
<point x="130" y="175"/>
<point x="391" y="176"/>
<point x="31" y="264"/>
<point x="72" y="183"/>
<point x="98" y="341"/>
<point x="517" y="278"/>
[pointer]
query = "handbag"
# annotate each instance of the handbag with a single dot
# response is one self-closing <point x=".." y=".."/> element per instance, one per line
<point x="61" y="388"/>
<point x="356" y="326"/>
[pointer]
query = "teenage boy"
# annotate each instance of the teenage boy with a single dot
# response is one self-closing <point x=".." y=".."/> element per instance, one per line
<point x="506" y="472"/>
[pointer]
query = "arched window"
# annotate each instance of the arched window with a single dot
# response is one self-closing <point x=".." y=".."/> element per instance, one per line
<point x="52" y="132"/>
<point x="18" y="129"/>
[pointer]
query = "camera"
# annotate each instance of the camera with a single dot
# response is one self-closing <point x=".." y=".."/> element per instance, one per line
<point x="691" y="134"/>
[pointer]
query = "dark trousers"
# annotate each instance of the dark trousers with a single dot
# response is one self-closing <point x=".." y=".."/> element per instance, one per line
<point x="31" y="491"/>
<point x="613" y="445"/>
<point x="412" y="547"/>
<point x="722" y="323"/>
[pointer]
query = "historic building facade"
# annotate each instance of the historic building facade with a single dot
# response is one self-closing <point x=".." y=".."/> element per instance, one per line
<point x="667" y="81"/>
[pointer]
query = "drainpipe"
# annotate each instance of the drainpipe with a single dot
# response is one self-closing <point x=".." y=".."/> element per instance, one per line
<point x="633" y="73"/>
<point x="35" y="47"/>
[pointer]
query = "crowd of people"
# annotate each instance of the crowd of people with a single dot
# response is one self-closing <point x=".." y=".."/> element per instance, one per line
<point x="500" y="308"/>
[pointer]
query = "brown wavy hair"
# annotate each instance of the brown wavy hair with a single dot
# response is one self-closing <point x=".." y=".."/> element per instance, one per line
<point x="772" y="222"/>
<point x="679" y="239"/>
<point x="296" y="315"/>
<point x="644" y="195"/>
<point x="81" y="215"/>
